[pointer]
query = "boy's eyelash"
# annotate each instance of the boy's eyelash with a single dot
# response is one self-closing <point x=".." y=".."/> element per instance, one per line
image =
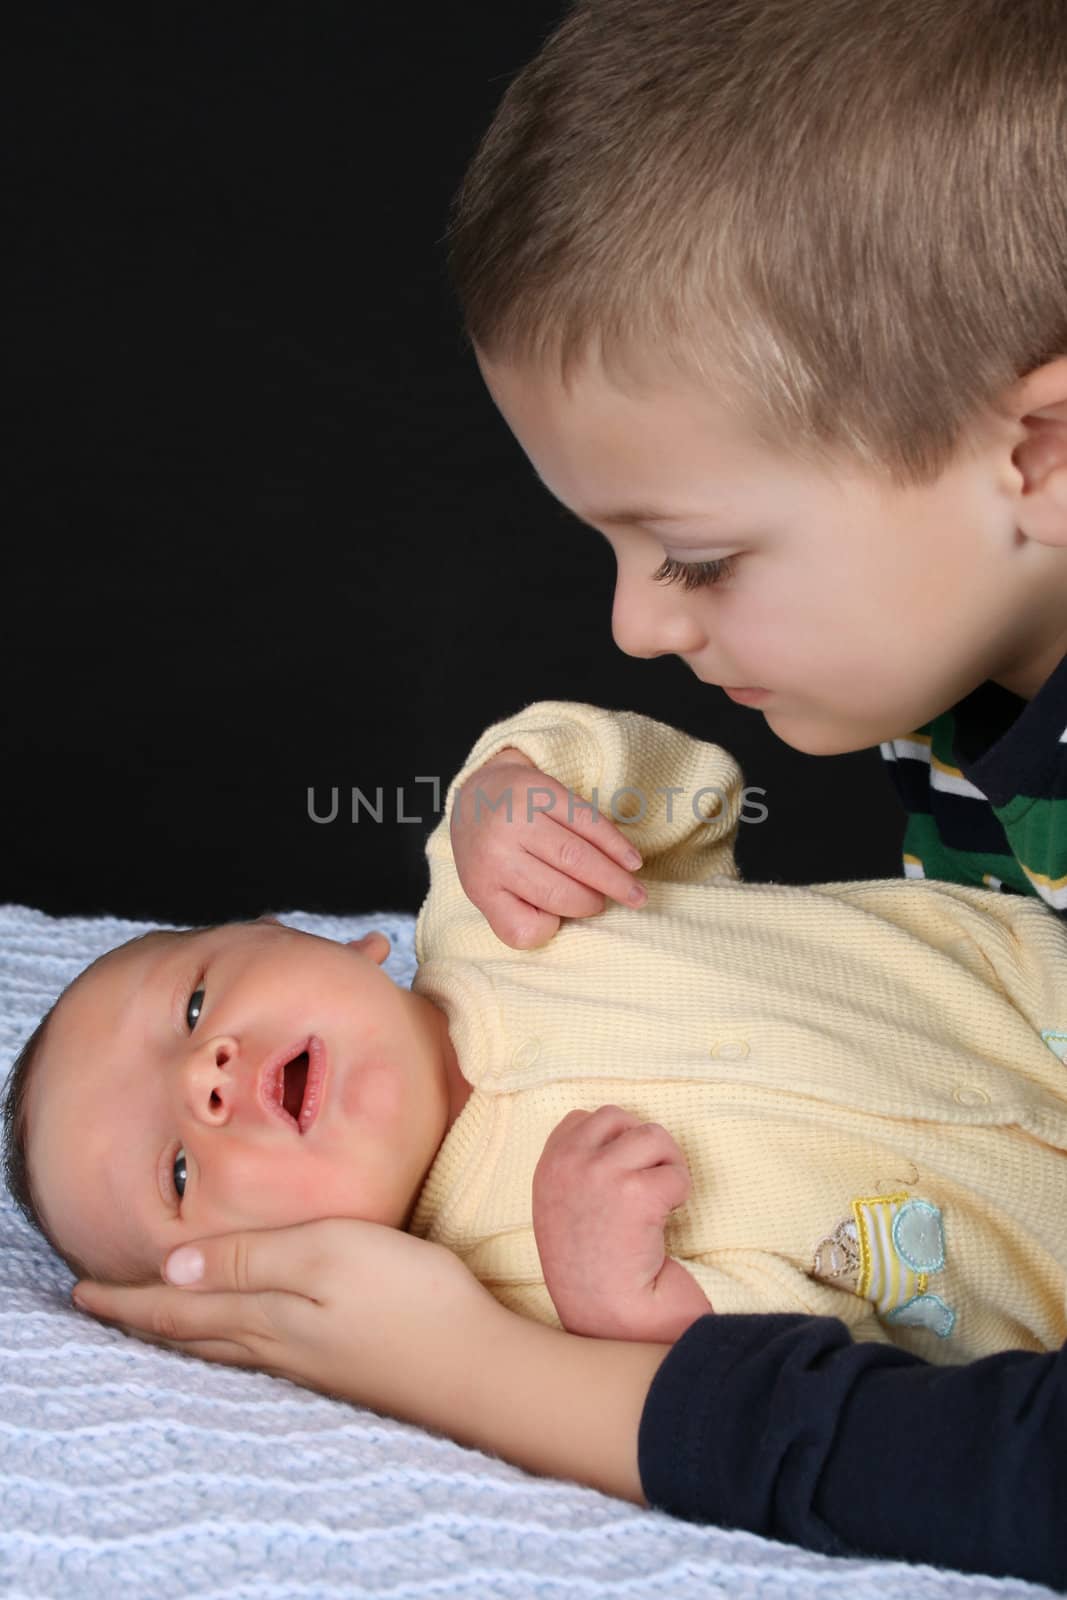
<point x="694" y="574"/>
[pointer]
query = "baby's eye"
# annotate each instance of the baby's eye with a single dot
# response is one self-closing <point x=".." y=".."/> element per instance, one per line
<point x="194" y="1007"/>
<point x="179" y="1166"/>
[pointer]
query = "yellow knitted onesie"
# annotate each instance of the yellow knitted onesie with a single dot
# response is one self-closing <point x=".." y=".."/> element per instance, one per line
<point x="867" y="1079"/>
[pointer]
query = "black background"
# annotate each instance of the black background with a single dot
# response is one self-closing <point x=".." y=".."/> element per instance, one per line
<point x="266" y="530"/>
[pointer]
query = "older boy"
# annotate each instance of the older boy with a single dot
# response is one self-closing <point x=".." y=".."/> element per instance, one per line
<point x="773" y="296"/>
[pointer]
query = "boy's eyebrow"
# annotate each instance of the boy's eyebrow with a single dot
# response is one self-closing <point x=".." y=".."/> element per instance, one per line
<point x="631" y="514"/>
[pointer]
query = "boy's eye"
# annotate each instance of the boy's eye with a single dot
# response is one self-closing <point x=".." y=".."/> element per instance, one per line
<point x="179" y="1166"/>
<point x="194" y="1007"/>
<point x="694" y="574"/>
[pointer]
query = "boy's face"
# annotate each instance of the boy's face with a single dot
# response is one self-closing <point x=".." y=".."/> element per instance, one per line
<point x="859" y="610"/>
<point x="151" y="1082"/>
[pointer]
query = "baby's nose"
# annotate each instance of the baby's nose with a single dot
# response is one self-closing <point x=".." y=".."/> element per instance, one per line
<point x="213" y="1077"/>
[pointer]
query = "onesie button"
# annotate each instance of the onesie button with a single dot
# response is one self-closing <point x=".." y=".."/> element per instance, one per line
<point x="525" y="1054"/>
<point x="729" y="1049"/>
<point x="965" y="1094"/>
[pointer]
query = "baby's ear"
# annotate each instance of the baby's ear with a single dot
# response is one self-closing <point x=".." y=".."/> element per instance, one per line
<point x="374" y="944"/>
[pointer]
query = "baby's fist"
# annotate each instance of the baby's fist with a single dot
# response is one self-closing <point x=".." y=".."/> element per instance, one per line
<point x="602" y="1192"/>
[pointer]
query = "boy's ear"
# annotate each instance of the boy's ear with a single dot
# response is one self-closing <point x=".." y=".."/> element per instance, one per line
<point x="1038" y="404"/>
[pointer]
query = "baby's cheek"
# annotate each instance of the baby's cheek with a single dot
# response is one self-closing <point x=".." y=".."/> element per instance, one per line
<point x="272" y="1188"/>
<point x="373" y="1098"/>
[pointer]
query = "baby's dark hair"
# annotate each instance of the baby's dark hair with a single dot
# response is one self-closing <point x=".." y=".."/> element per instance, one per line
<point x="847" y="218"/>
<point x="17" y="1174"/>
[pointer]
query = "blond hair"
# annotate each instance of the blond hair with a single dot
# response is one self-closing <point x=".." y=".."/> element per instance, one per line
<point x="849" y="217"/>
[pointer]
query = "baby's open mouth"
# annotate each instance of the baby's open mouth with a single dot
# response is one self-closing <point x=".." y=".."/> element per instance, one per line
<point x="291" y="1084"/>
<point x="295" y="1082"/>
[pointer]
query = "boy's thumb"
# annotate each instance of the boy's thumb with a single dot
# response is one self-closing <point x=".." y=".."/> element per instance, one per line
<point x="184" y="1265"/>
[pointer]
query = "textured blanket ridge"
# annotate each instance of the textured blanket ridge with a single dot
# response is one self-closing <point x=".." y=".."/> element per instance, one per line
<point x="129" y="1469"/>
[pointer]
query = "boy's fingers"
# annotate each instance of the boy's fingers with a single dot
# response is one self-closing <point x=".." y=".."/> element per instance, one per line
<point x="560" y="894"/>
<point x="159" y="1314"/>
<point x="239" y="1262"/>
<point x="519" y="924"/>
<point x="580" y="816"/>
<point x="255" y="1260"/>
<point x="583" y="861"/>
<point x="237" y="1267"/>
<point x="224" y="1351"/>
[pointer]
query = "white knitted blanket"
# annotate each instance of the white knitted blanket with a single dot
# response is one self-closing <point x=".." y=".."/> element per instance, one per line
<point x="134" y="1471"/>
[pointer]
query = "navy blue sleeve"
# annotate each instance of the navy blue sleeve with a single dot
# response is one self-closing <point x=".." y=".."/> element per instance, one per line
<point x="783" y="1425"/>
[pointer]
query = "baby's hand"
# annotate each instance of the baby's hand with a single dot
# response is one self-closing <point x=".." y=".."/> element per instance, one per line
<point x="528" y="869"/>
<point x="602" y="1192"/>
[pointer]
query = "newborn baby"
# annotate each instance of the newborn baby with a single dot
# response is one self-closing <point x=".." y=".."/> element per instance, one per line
<point x="248" y="1075"/>
<point x="865" y="1080"/>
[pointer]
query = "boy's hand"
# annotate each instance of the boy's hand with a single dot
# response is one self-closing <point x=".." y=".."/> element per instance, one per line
<point x="370" y="1314"/>
<point x="353" y="1309"/>
<point x="602" y="1191"/>
<point x="548" y="861"/>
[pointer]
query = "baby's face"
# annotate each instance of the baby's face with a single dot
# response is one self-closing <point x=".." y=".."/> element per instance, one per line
<point x="152" y="1115"/>
<point x="858" y="610"/>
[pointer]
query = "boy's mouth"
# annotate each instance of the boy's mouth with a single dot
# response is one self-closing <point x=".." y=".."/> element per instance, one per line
<point x="291" y="1083"/>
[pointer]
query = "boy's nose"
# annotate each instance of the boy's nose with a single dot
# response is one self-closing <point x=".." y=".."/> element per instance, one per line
<point x="648" y="620"/>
